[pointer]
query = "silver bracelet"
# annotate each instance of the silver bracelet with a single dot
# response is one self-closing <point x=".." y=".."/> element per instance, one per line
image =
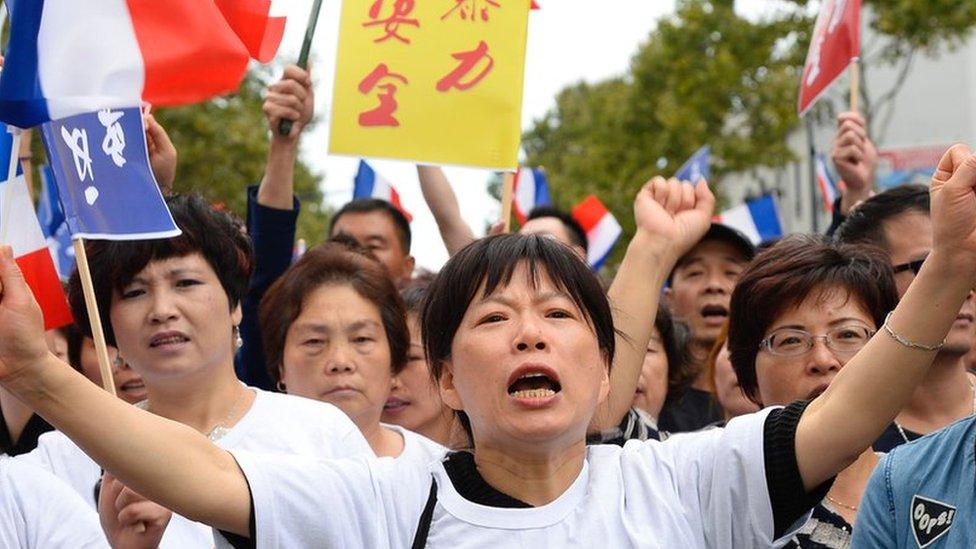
<point x="905" y="341"/>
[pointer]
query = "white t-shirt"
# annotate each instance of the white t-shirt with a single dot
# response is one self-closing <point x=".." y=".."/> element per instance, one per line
<point x="276" y="423"/>
<point x="417" y="447"/>
<point x="702" y="490"/>
<point x="38" y="510"/>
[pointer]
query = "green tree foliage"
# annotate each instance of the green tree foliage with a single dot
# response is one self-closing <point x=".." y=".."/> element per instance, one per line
<point x="222" y="147"/>
<point x="704" y="76"/>
<point x="707" y="76"/>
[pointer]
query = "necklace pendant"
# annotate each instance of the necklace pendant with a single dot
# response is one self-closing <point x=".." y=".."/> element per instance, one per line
<point x="218" y="433"/>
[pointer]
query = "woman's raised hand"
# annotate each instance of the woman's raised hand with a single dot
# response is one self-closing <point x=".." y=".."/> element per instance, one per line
<point x="674" y="214"/>
<point x="953" y="192"/>
<point x="21" y="321"/>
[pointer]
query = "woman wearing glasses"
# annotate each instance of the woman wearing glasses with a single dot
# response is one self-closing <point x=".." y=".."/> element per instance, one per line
<point x="798" y="314"/>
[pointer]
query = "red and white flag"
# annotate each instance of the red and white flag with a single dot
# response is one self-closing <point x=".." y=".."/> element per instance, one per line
<point x="33" y="256"/>
<point x="601" y="227"/>
<point x="836" y="42"/>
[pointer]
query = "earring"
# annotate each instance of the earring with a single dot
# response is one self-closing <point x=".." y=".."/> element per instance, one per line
<point x="281" y="387"/>
<point x="238" y="340"/>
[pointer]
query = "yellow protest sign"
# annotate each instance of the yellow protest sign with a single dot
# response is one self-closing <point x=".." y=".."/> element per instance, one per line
<point x="433" y="81"/>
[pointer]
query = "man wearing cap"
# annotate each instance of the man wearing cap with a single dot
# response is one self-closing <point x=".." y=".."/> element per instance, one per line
<point x="698" y="293"/>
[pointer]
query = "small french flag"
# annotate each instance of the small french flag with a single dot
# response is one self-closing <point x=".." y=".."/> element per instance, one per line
<point x="828" y="188"/>
<point x="369" y="184"/>
<point x="33" y="256"/>
<point x="530" y="191"/>
<point x="602" y="230"/>
<point x="757" y="219"/>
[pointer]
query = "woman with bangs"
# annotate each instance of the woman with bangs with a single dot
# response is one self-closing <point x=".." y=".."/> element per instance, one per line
<point x="335" y="330"/>
<point x="799" y="313"/>
<point x="521" y="337"/>
<point x="171" y="307"/>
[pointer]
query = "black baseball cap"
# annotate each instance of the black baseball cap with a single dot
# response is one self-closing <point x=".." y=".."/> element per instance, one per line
<point x="725" y="233"/>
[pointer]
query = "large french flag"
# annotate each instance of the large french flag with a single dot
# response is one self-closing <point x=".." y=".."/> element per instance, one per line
<point x="33" y="256"/>
<point x="757" y="219"/>
<point x="826" y="184"/>
<point x="67" y="57"/>
<point x="530" y="191"/>
<point x="370" y="184"/>
<point x="602" y="230"/>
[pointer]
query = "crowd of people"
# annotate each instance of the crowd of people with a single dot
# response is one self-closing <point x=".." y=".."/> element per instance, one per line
<point x="813" y="392"/>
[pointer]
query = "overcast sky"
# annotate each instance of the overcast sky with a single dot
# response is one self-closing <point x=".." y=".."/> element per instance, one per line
<point x="569" y="41"/>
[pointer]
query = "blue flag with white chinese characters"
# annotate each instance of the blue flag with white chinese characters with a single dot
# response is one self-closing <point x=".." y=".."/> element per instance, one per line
<point x="105" y="184"/>
<point x="697" y="167"/>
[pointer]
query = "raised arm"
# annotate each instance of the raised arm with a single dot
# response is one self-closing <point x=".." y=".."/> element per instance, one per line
<point x="290" y="98"/>
<point x="168" y="462"/>
<point x="878" y="381"/>
<point x="671" y="217"/>
<point x="440" y="198"/>
<point x="855" y="158"/>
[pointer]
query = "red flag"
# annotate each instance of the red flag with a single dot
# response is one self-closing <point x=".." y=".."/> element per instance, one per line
<point x="259" y="32"/>
<point x="535" y="5"/>
<point x="836" y="42"/>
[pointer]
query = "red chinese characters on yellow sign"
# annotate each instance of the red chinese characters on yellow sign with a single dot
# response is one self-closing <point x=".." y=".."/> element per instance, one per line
<point x="398" y="14"/>
<point x="472" y="10"/>
<point x="418" y="81"/>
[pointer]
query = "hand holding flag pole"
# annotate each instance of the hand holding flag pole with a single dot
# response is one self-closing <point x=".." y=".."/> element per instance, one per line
<point x="284" y="127"/>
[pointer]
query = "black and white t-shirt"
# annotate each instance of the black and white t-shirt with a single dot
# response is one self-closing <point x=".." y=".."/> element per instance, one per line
<point x="708" y="489"/>
<point x="39" y="511"/>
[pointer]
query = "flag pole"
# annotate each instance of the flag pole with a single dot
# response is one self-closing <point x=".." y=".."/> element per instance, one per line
<point x="855" y="84"/>
<point x="284" y="127"/>
<point x="101" y="350"/>
<point x="8" y="193"/>
<point x="508" y="186"/>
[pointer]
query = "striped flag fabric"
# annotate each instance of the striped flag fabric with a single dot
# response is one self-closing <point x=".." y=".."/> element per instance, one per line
<point x="66" y="58"/>
<point x="370" y="184"/>
<point x="826" y="184"/>
<point x="757" y="219"/>
<point x="601" y="227"/>
<point x="32" y="254"/>
<point x="54" y="226"/>
<point x="530" y="190"/>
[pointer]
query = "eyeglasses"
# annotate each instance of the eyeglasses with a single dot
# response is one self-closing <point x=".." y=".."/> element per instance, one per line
<point x="791" y="342"/>
<point x="913" y="266"/>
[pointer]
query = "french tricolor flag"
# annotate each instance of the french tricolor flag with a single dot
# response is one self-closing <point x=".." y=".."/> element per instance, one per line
<point x="32" y="254"/>
<point x="757" y="219"/>
<point x="68" y="57"/>
<point x="530" y="191"/>
<point x="602" y="230"/>
<point x="826" y="184"/>
<point x="369" y="184"/>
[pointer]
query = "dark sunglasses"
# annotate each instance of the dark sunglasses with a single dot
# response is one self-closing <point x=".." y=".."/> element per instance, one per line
<point x="913" y="266"/>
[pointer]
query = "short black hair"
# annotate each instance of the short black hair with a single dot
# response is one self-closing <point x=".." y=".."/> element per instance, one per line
<point x="492" y="261"/>
<point x="575" y="230"/>
<point x="216" y="235"/>
<point x="369" y="205"/>
<point x="675" y="336"/>
<point x="864" y="223"/>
